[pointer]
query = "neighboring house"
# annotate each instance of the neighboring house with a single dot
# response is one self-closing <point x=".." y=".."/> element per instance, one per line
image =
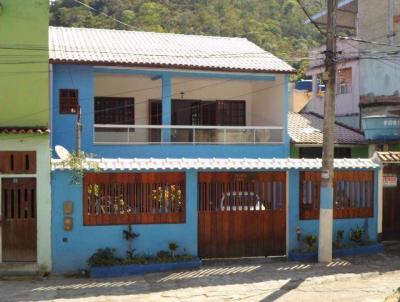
<point x="305" y="131"/>
<point x="347" y="87"/>
<point x="300" y="95"/>
<point x="190" y="144"/>
<point x="24" y="136"/>
<point x="375" y="41"/>
<point x="368" y="70"/>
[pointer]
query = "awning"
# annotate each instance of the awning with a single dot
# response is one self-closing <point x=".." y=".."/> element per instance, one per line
<point x="389" y="157"/>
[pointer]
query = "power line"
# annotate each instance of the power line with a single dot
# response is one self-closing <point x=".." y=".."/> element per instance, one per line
<point x="230" y="97"/>
<point x="263" y="54"/>
<point x="367" y="41"/>
<point x="310" y="18"/>
<point x="139" y="90"/>
<point x="104" y="14"/>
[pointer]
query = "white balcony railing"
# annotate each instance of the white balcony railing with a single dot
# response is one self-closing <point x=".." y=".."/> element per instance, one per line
<point x="154" y="134"/>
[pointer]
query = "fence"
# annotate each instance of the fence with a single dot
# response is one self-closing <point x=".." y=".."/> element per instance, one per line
<point x="134" y="198"/>
<point x="353" y="194"/>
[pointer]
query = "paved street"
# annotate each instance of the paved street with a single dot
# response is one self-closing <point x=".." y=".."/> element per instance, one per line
<point x="370" y="278"/>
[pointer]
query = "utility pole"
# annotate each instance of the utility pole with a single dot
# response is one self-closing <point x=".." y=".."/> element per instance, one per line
<point x="78" y="130"/>
<point x="327" y="173"/>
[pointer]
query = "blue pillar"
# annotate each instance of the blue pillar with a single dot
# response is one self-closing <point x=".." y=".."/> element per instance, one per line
<point x="293" y="208"/>
<point x="191" y="209"/>
<point x="166" y="106"/>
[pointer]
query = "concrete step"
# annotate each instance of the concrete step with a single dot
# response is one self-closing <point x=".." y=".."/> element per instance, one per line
<point x="18" y="269"/>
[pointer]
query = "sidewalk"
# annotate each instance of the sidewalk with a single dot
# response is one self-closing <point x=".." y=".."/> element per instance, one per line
<point x="370" y="278"/>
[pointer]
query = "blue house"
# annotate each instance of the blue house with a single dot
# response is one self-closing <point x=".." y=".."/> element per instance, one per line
<point x="188" y="142"/>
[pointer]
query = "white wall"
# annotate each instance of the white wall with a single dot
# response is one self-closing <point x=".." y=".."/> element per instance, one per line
<point x="346" y="104"/>
<point x="268" y="102"/>
<point x="40" y="144"/>
<point x="380" y="77"/>
<point x="376" y="22"/>
<point x="264" y="99"/>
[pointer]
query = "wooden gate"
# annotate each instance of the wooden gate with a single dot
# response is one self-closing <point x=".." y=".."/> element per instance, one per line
<point x="242" y="214"/>
<point x="19" y="219"/>
<point x="391" y="206"/>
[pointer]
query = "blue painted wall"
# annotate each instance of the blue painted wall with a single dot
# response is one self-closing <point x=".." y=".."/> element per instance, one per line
<point x="82" y="241"/>
<point x="311" y="227"/>
<point x="64" y="133"/>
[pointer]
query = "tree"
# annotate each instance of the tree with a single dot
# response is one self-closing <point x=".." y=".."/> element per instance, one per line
<point x="275" y="25"/>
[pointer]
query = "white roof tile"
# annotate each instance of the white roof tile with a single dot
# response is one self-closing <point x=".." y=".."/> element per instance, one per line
<point x="306" y="128"/>
<point x="135" y="48"/>
<point x="140" y="164"/>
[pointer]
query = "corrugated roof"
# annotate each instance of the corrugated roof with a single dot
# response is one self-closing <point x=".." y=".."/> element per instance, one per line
<point x="389" y="157"/>
<point x="306" y="128"/>
<point x="135" y="48"/>
<point x="139" y="164"/>
<point x="24" y="130"/>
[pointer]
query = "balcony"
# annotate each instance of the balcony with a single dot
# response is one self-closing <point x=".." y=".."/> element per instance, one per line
<point x="182" y="134"/>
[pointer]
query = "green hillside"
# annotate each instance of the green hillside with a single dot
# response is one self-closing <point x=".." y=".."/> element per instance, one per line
<point x="276" y="25"/>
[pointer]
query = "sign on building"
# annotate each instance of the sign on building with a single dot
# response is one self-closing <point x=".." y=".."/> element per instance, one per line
<point x="389" y="180"/>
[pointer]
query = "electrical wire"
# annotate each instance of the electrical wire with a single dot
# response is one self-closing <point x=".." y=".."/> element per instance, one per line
<point x="229" y="97"/>
<point x="140" y="90"/>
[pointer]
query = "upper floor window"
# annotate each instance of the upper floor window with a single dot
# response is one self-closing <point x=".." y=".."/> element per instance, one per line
<point x="68" y="101"/>
<point x="344" y="81"/>
<point x="231" y="113"/>
<point x="114" y="110"/>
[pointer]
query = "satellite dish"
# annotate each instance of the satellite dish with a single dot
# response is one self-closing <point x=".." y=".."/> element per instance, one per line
<point x="62" y="152"/>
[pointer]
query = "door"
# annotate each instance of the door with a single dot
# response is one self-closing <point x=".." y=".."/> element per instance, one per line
<point x="18" y="219"/>
<point x="391" y="206"/>
<point x="242" y="214"/>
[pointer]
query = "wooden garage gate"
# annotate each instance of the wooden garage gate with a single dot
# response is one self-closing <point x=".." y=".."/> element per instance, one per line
<point x="242" y="214"/>
<point x="391" y="205"/>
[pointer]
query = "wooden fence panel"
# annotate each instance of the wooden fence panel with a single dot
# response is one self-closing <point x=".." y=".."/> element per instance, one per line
<point x="353" y="194"/>
<point x="18" y="162"/>
<point x="134" y="198"/>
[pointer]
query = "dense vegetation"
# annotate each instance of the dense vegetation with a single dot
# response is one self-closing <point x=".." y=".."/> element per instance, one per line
<point x="276" y="25"/>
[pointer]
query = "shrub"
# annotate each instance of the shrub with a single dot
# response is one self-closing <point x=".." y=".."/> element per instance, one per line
<point x="173" y="246"/>
<point x="356" y="235"/>
<point x="104" y="257"/>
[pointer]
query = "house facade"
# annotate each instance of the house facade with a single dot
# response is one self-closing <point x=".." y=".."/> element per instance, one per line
<point x="24" y="136"/>
<point x="186" y="139"/>
<point x="347" y="87"/>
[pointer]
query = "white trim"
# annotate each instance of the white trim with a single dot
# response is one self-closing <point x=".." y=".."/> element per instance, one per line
<point x="380" y="201"/>
<point x="40" y="144"/>
<point x="242" y="163"/>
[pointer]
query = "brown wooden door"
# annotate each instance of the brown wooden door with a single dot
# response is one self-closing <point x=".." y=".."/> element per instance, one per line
<point x="391" y="206"/>
<point x="19" y="219"/>
<point x="242" y="214"/>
